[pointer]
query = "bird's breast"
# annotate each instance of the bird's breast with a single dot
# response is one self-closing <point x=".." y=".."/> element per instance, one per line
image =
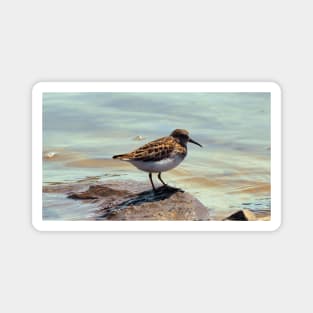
<point x="159" y="166"/>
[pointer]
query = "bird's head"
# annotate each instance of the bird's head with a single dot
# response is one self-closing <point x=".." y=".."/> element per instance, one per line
<point x="182" y="136"/>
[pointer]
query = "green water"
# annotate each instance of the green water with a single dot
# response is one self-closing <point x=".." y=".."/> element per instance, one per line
<point x="232" y="170"/>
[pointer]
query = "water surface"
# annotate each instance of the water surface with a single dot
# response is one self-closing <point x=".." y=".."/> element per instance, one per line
<point x="81" y="132"/>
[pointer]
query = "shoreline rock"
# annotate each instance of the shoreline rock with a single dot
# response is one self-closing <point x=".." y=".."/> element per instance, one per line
<point x="136" y="201"/>
<point x="132" y="200"/>
<point x="122" y="203"/>
<point x="246" y="215"/>
<point x="242" y="215"/>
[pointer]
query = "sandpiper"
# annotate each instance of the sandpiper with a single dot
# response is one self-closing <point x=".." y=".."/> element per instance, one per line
<point x="160" y="155"/>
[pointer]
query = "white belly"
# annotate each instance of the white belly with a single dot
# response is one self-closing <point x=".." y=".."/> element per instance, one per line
<point x="158" y="166"/>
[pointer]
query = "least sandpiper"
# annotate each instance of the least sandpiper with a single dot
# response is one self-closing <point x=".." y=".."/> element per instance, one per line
<point x="160" y="155"/>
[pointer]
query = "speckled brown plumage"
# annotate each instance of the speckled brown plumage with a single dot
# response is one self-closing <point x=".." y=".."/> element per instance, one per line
<point x="156" y="150"/>
<point x="160" y="155"/>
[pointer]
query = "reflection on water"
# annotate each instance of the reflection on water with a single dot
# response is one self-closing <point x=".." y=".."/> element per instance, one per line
<point x="83" y="130"/>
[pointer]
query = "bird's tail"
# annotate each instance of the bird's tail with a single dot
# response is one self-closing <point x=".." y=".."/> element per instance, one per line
<point x="123" y="157"/>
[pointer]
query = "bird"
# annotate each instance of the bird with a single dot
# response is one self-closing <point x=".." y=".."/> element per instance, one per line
<point x="160" y="155"/>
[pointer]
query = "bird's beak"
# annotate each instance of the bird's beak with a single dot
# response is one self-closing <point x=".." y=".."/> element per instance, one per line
<point x="196" y="143"/>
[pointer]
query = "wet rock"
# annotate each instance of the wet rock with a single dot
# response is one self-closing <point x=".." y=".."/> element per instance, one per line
<point x="98" y="192"/>
<point x="134" y="201"/>
<point x="242" y="215"/>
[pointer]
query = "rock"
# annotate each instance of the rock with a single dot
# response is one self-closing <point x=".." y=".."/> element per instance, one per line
<point x="134" y="201"/>
<point x="98" y="192"/>
<point x="242" y="215"/>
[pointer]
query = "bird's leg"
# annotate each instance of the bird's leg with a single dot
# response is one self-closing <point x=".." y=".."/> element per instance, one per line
<point x="150" y="176"/>
<point x="159" y="177"/>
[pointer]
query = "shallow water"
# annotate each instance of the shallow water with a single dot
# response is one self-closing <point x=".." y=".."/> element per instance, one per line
<point x="83" y="130"/>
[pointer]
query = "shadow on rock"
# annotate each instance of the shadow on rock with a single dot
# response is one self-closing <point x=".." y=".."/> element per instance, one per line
<point x="161" y="193"/>
<point x="130" y="200"/>
<point x="166" y="203"/>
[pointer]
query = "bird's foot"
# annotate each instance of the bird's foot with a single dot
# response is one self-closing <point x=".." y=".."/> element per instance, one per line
<point x="167" y="188"/>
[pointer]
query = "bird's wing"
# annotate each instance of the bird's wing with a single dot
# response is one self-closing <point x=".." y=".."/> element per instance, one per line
<point x="155" y="150"/>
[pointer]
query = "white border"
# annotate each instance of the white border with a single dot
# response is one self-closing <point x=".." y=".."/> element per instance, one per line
<point x="42" y="87"/>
